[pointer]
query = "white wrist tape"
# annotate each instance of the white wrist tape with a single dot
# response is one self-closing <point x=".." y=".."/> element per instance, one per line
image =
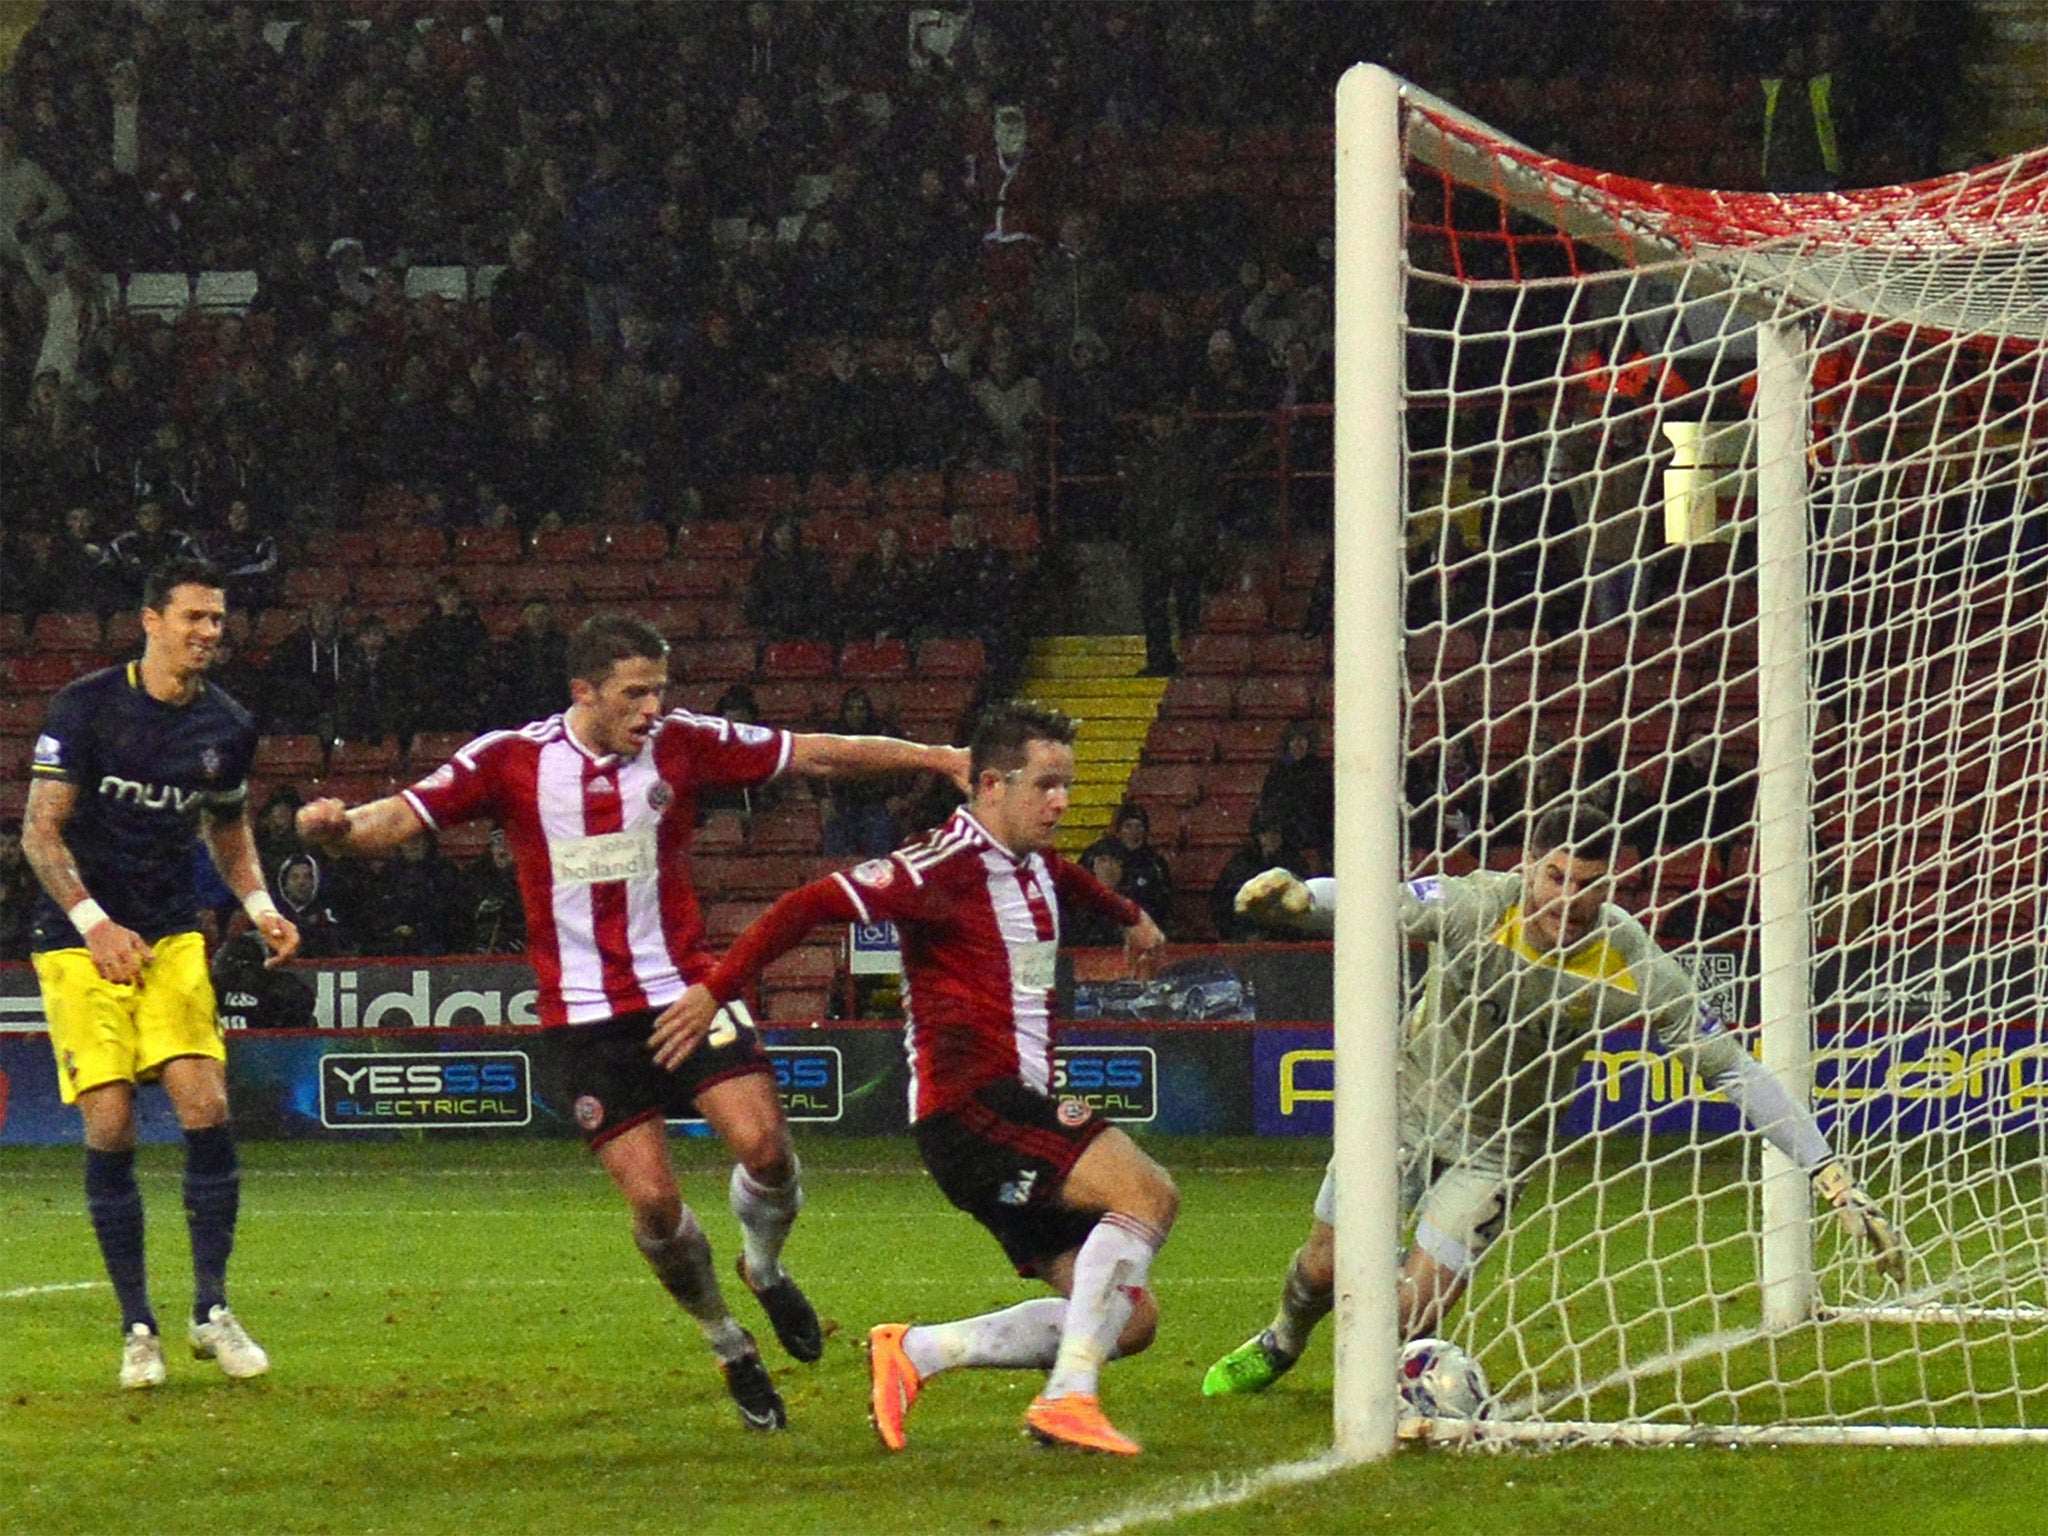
<point x="257" y="903"/>
<point x="86" y="915"/>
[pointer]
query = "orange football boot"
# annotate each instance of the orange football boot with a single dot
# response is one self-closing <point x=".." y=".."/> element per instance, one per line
<point x="1077" y="1419"/>
<point x="893" y="1383"/>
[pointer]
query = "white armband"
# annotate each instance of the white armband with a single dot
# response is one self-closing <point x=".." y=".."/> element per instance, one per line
<point x="86" y="915"/>
<point x="258" y="903"/>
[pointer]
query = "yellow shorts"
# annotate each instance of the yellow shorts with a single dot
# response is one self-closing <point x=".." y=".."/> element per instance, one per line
<point x="105" y="1033"/>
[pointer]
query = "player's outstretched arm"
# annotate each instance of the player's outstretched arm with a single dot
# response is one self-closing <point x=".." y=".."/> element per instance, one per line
<point x="233" y="845"/>
<point x="375" y="828"/>
<point x="826" y="756"/>
<point x="1279" y="898"/>
<point x="118" y="953"/>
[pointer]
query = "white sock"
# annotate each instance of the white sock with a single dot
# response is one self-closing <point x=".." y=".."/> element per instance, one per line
<point x="1111" y="1268"/>
<point x="1023" y="1337"/>
<point x="682" y="1262"/>
<point x="766" y="1212"/>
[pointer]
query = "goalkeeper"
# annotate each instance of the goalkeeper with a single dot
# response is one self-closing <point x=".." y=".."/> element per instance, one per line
<point x="1526" y="968"/>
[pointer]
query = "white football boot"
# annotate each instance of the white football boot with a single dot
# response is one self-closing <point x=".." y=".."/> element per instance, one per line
<point x="142" y="1359"/>
<point x="222" y="1338"/>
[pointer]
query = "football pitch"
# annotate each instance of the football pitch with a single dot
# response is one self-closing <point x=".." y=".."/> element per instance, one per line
<point x="466" y="1341"/>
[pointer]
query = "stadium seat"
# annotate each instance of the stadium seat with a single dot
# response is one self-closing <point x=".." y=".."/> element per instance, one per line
<point x="124" y="632"/>
<point x="67" y="634"/>
<point x="759" y="496"/>
<point x="1014" y="533"/>
<point x="824" y="494"/>
<point x="645" y="543"/>
<point x="309" y="583"/>
<point x="355" y="759"/>
<point x="500" y="620"/>
<point x="1283" y="698"/>
<point x="1289" y="653"/>
<point x="913" y="492"/>
<point x="925" y="536"/>
<point x="1224" y="654"/>
<point x="716" y="539"/>
<point x="723" y="832"/>
<point x="464" y="843"/>
<point x="725" y="921"/>
<point x="1234" y="613"/>
<point x="610" y="581"/>
<point x="874" y="661"/>
<point x="784" y="660"/>
<point x="411" y="547"/>
<point x="1197" y="698"/>
<point x="430" y="749"/>
<point x="986" y="489"/>
<point x="22" y="714"/>
<point x="13" y="798"/>
<point x="486" y="546"/>
<point x="343" y="549"/>
<point x="796" y="704"/>
<point x="724" y="620"/>
<point x="795" y="1005"/>
<point x="39" y="673"/>
<point x="686" y="578"/>
<point x="1221" y="823"/>
<point x="951" y="658"/>
<point x="1234" y="780"/>
<point x="765" y="877"/>
<point x="944" y="697"/>
<point x="794" y="828"/>
<point x="1174" y="783"/>
<point x="1251" y="741"/>
<point x="566" y="546"/>
<point x="289" y="757"/>
<point x="1181" y="741"/>
<point x="391" y="586"/>
<point x="551" y="583"/>
<point x="715" y="660"/>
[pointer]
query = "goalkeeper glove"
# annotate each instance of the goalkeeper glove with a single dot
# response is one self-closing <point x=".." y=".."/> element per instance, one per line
<point x="1274" y="896"/>
<point x="1862" y="1221"/>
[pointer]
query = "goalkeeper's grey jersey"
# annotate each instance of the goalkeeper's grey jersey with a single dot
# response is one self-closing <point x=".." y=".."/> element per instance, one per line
<point x="1495" y="1041"/>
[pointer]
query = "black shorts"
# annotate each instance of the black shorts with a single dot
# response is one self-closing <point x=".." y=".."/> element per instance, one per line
<point x="1001" y="1157"/>
<point x="613" y="1081"/>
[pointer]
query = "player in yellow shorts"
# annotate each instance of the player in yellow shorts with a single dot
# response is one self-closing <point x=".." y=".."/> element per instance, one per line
<point x="133" y="763"/>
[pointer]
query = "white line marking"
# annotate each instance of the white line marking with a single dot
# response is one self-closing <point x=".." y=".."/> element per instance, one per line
<point x="1221" y="1493"/>
<point x="23" y="1292"/>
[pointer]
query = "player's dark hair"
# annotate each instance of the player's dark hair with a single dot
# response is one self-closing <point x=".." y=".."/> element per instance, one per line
<point x="605" y="639"/>
<point x="1586" y="832"/>
<point x="1003" y="734"/>
<point x="185" y="571"/>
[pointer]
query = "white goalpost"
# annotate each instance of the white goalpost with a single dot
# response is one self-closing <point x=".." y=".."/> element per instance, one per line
<point x="1728" y="514"/>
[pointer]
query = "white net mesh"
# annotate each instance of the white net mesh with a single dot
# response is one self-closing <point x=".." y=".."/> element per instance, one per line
<point x="1582" y="622"/>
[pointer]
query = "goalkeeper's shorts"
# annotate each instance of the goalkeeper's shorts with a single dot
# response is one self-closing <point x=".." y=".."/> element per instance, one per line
<point x="1458" y="1208"/>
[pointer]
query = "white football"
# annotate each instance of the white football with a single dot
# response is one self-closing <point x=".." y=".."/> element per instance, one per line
<point x="1441" y="1381"/>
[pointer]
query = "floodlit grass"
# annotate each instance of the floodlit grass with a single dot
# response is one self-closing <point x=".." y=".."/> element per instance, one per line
<point x="467" y="1342"/>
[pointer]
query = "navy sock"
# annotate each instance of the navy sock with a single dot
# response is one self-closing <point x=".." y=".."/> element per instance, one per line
<point x="213" y="1194"/>
<point x="115" y="1205"/>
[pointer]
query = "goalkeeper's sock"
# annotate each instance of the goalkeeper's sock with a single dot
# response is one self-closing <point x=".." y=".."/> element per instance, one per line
<point x="1109" y="1272"/>
<point x="682" y="1262"/>
<point x="765" y="1212"/>
<point x="1302" y="1306"/>
<point x="115" y="1205"/>
<point x="1023" y="1337"/>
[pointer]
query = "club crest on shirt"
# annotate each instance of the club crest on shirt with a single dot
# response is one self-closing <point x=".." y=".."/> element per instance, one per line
<point x="209" y="762"/>
<point x="589" y="1112"/>
<point x="751" y="735"/>
<point x="660" y="796"/>
<point x="49" y="752"/>
<point x="876" y="874"/>
<point x="1074" y="1112"/>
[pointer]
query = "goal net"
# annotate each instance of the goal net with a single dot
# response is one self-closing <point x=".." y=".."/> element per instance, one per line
<point x="1725" y="512"/>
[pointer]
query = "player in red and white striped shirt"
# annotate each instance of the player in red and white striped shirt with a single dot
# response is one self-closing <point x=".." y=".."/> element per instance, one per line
<point x="1071" y="1199"/>
<point x="599" y="804"/>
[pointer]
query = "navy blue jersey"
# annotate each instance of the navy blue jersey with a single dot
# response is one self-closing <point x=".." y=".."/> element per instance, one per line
<point x="145" y="771"/>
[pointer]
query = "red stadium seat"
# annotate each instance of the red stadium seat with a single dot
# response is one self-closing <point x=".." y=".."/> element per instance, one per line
<point x="1289" y="653"/>
<point x="388" y="586"/>
<point x="124" y="632"/>
<point x="725" y="921"/>
<point x="1174" y="783"/>
<point x="411" y="546"/>
<point x="288" y="757"/>
<point x="39" y="673"/>
<point x="724" y="620"/>
<point x="1015" y="533"/>
<point x="951" y="658"/>
<point x="67" y="634"/>
<point x="766" y="876"/>
<point x="1220" y="823"/>
<point x="946" y="698"/>
<point x="925" y="536"/>
<point x="309" y="583"/>
<point x="723" y="832"/>
<point x="641" y="543"/>
<point x="13" y="798"/>
<point x="722" y="660"/>
<point x="500" y="620"/>
<point x="348" y="550"/>
<point x="430" y="749"/>
<point x="22" y="714"/>
<point x="791" y="659"/>
<point x="719" y="538"/>
<point x="796" y="1005"/>
<point x="914" y="492"/>
<point x="355" y="759"/>
<point x="798" y="704"/>
<point x="1284" y="698"/>
<point x="552" y="583"/>
<point x="566" y="546"/>
<point x="690" y="578"/>
<point x="1225" y="654"/>
<point x="1181" y="741"/>
<point x="486" y="546"/>
<point x="824" y="494"/>
<point x="602" y="581"/>
<point x="788" y="829"/>
<point x="875" y="661"/>
<point x="464" y="843"/>
<point x="986" y="489"/>
<point x="1234" y="613"/>
<point x="758" y="496"/>
<point x="1234" y="780"/>
<point x="1252" y="741"/>
<point x="1202" y="698"/>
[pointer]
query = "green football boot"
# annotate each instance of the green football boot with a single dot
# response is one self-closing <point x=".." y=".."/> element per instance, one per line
<point x="1251" y="1367"/>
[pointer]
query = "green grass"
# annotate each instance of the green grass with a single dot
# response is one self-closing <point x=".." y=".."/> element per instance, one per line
<point x="467" y="1342"/>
